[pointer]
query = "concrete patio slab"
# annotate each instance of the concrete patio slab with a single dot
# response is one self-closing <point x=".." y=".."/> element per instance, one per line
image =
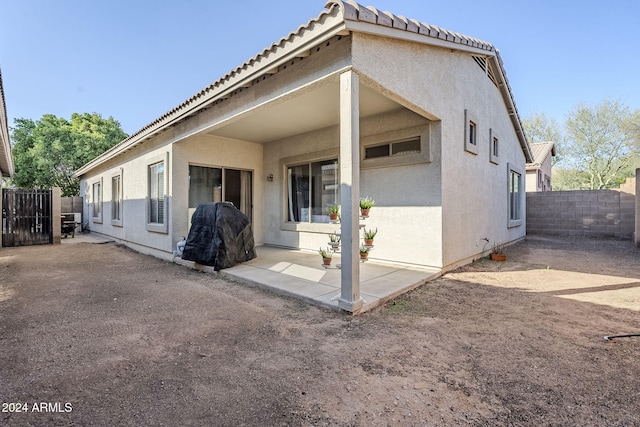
<point x="300" y="274"/>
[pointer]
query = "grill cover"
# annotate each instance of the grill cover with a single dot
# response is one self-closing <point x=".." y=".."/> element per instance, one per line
<point x="220" y="236"/>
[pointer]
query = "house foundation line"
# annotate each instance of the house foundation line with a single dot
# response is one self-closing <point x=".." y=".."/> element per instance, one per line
<point x="350" y="299"/>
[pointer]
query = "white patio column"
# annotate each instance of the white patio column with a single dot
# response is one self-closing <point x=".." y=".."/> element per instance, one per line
<point x="350" y="192"/>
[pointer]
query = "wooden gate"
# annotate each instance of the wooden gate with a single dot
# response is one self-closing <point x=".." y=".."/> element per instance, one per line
<point x="26" y="217"/>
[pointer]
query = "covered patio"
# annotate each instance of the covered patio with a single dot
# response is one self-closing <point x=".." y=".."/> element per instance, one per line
<point x="300" y="274"/>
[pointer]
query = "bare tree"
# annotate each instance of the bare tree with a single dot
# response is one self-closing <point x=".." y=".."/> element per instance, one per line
<point x="602" y="142"/>
<point x="541" y="128"/>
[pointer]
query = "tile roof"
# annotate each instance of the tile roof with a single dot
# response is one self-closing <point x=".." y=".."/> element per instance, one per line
<point x="342" y="12"/>
<point x="356" y="12"/>
<point x="540" y="151"/>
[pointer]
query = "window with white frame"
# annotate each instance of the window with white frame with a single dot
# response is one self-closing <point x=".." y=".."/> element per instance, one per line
<point x="494" y="147"/>
<point x="116" y="199"/>
<point x="515" y="197"/>
<point x="311" y="187"/>
<point x="470" y="133"/>
<point x="96" y="196"/>
<point x="156" y="211"/>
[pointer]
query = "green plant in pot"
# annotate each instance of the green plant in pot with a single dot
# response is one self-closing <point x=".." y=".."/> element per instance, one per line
<point x="333" y="211"/>
<point x="364" y="252"/>
<point x="326" y="255"/>
<point x="369" y="235"/>
<point x="366" y="203"/>
<point x="498" y="253"/>
<point x="334" y="240"/>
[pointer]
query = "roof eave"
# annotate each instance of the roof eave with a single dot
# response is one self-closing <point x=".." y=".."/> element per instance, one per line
<point x="507" y="95"/>
<point x="407" y="35"/>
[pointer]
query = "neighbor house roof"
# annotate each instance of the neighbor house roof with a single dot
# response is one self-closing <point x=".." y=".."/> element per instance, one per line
<point x="541" y="151"/>
<point x="6" y="160"/>
<point x="339" y="17"/>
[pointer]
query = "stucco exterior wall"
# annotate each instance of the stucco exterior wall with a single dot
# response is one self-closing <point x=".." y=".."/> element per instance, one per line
<point x="133" y="170"/>
<point x="532" y="176"/>
<point x="441" y="84"/>
<point x="202" y="150"/>
<point x="407" y="212"/>
<point x="212" y="151"/>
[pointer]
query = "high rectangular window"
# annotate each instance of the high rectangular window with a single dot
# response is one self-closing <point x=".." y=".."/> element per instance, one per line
<point x="116" y="198"/>
<point x="515" y="189"/>
<point x="97" y="200"/>
<point x="311" y="187"/>
<point x="156" y="193"/>
<point x="494" y="147"/>
<point x="470" y="133"/>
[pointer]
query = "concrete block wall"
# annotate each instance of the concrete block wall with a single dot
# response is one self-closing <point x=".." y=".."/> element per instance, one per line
<point x="597" y="213"/>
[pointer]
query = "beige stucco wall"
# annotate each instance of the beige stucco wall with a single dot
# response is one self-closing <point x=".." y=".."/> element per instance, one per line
<point x="212" y="151"/>
<point x="442" y="83"/>
<point x="133" y="168"/>
<point x="202" y="150"/>
<point x="431" y="213"/>
<point x="532" y="176"/>
<point x="407" y="214"/>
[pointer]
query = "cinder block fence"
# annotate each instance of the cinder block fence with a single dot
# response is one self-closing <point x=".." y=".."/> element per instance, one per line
<point x="596" y="213"/>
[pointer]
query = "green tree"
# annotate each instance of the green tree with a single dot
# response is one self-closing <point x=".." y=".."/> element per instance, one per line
<point x="541" y="128"/>
<point x="47" y="152"/>
<point x="602" y="144"/>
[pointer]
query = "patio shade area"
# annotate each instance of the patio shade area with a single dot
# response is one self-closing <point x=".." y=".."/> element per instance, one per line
<point x="300" y="274"/>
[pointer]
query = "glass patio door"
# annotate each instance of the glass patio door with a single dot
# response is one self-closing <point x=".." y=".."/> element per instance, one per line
<point x="208" y="184"/>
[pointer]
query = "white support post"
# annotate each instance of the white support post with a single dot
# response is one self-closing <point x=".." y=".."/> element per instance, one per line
<point x="350" y="299"/>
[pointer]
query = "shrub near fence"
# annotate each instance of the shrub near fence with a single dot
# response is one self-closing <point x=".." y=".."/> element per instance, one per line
<point x="596" y="213"/>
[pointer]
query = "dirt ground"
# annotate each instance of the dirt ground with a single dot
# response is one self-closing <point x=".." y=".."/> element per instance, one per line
<point x="95" y="334"/>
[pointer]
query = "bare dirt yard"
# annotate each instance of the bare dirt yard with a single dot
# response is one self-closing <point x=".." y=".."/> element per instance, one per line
<point x="95" y="334"/>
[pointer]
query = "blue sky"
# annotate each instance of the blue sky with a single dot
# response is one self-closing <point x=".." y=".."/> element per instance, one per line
<point x="135" y="60"/>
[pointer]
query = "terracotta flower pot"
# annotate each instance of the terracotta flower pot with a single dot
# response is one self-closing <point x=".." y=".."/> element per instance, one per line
<point x="326" y="261"/>
<point x="364" y="255"/>
<point x="368" y="242"/>
<point x="333" y="216"/>
<point x="364" y="212"/>
<point x="498" y="257"/>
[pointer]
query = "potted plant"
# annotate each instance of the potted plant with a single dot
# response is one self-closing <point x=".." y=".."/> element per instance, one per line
<point x="334" y="241"/>
<point x="369" y="235"/>
<point x="498" y="253"/>
<point x="326" y="256"/>
<point x="333" y="210"/>
<point x="366" y="203"/>
<point x="364" y="252"/>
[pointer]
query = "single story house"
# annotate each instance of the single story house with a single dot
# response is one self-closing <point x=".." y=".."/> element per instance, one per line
<point x="539" y="170"/>
<point x="6" y="159"/>
<point x="357" y="102"/>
